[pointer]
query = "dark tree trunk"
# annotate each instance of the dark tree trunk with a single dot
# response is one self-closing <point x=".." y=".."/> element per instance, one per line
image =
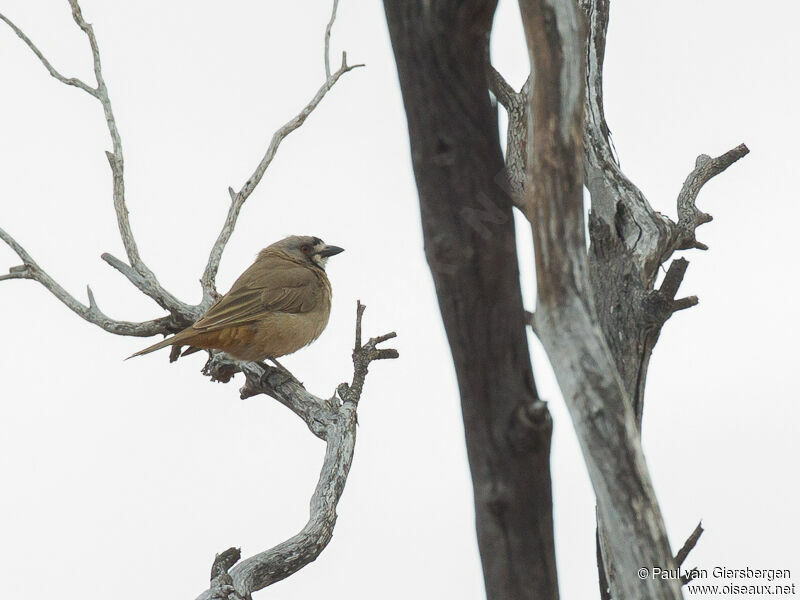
<point x="442" y="57"/>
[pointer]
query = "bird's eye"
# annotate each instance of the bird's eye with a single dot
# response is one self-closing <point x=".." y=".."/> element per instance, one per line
<point x="306" y="249"/>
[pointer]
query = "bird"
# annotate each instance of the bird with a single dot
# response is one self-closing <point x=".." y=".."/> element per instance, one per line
<point x="280" y="304"/>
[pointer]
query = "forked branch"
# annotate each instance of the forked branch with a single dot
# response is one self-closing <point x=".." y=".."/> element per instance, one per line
<point x="516" y="105"/>
<point x="332" y="420"/>
<point x="144" y="279"/>
<point x="689" y="216"/>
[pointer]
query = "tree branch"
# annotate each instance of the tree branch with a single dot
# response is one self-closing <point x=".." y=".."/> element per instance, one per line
<point x="644" y="232"/>
<point x="516" y="157"/>
<point x="146" y="280"/>
<point x="629" y="243"/>
<point x="91" y="313"/>
<point x="238" y="198"/>
<point x="333" y="420"/>
<point x="328" y="39"/>
<point x="502" y="90"/>
<point x="689" y="217"/>
<point x="150" y="286"/>
<point x="73" y="81"/>
<point x="632" y="529"/>
<point x="689" y="545"/>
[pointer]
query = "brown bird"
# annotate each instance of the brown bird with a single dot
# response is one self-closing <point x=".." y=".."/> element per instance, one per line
<point x="278" y="305"/>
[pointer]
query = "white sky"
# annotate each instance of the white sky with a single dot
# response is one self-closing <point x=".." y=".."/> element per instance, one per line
<point x="129" y="476"/>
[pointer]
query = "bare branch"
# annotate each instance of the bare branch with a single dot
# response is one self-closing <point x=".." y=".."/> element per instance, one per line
<point x="689" y="217"/>
<point x="684" y="303"/>
<point x="150" y="285"/>
<point x="502" y="90"/>
<point x="224" y="561"/>
<point x="689" y="545"/>
<point x="146" y="281"/>
<point x="333" y="420"/>
<point x="328" y="39"/>
<point x="673" y="278"/>
<point x="73" y="81"/>
<point x="516" y="158"/>
<point x="238" y="198"/>
<point x="644" y="231"/>
<point x="31" y="270"/>
<point x="221" y="587"/>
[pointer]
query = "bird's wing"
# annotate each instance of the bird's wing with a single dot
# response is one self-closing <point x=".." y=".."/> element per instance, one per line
<point x="264" y="289"/>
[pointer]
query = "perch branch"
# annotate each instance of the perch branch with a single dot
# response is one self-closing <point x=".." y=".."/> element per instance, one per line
<point x="29" y="269"/>
<point x="238" y="198"/>
<point x="333" y="420"/>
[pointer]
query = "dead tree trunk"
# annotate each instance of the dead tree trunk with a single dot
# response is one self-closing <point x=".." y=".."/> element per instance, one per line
<point x="442" y="58"/>
<point x="599" y="313"/>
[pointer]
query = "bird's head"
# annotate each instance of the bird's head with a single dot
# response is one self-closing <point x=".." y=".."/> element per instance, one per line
<point x="306" y="248"/>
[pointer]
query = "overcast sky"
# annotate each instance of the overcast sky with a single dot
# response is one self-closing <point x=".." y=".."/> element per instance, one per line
<point x="123" y="479"/>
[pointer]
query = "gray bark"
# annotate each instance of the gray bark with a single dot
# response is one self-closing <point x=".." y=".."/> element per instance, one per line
<point x="441" y="50"/>
<point x="566" y="316"/>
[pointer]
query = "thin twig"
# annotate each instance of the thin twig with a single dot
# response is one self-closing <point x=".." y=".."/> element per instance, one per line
<point x="238" y="198"/>
<point x="147" y="281"/>
<point x="91" y="313"/>
<point x="73" y="81"/>
<point x="328" y="39"/>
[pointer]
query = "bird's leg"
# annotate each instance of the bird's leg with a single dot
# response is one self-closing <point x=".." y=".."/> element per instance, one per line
<point x="279" y="365"/>
<point x="284" y="371"/>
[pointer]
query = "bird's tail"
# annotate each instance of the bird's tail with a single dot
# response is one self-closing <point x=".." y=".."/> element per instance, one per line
<point x="179" y="338"/>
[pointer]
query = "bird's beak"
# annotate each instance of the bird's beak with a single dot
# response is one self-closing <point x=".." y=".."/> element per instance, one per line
<point x="330" y="251"/>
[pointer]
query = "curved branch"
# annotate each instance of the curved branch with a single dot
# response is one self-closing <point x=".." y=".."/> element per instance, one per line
<point x="333" y="420"/>
<point x="238" y="198"/>
<point x="91" y="313"/>
<point x="689" y="216"/>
